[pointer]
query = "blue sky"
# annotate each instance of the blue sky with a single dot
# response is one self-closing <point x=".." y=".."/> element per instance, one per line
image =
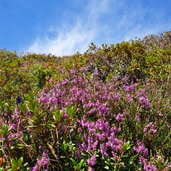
<point x="63" y="27"/>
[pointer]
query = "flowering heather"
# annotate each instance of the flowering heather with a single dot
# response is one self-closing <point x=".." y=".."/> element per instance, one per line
<point x="92" y="160"/>
<point x="42" y="162"/>
<point x="129" y="88"/>
<point x="140" y="149"/>
<point x="108" y="110"/>
<point x="104" y="114"/>
<point x="150" y="128"/>
<point x="119" y="117"/>
<point x="149" y="168"/>
<point x="144" y="101"/>
<point x="94" y="123"/>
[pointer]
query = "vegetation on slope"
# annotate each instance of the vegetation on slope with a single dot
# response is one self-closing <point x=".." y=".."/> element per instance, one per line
<point x="106" y="109"/>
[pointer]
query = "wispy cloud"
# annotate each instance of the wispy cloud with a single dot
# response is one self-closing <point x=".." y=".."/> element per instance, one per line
<point x="74" y="40"/>
<point x="143" y="20"/>
<point x="102" y="21"/>
<point x="70" y="39"/>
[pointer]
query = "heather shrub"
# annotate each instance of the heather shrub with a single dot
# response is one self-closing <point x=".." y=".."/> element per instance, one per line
<point x="83" y="123"/>
<point x="111" y="121"/>
<point x="108" y="109"/>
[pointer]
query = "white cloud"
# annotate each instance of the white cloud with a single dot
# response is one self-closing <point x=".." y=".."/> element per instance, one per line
<point x="77" y="39"/>
<point x="101" y="21"/>
<point x="68" y="39"/>
<point x="142" y="21"/>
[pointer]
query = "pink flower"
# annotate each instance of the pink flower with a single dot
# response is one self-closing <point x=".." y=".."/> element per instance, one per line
<point x="129" y="88"/>
<point x="119" y="117"/>
<point x="141" y="149"/>
<point x="149" y="168"/>
<point x="43" y="161"/>
<point x="92" y="160"/>
<point x="144" y="101"/>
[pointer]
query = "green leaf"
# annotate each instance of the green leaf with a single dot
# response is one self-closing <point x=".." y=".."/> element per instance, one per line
<point x="106" y="162"/>
<point x="73" y="162"/>
<point x="57" y="115"/>
<point x="106" y="167"/>
<point x="81" y="164"/>
<point x="20" y="161"/>
<point x="126" y="146"/>
<point x="71" y="111"/>
<point x="4" y="130"/>
<point x="16" y="164"/>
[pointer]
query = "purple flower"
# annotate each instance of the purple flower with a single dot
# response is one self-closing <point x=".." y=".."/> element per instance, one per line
<point x="94" y="146"/>
<point x="65" y="115"/>
<point x="114" y="144"/>
<point x="90" y="169"/>
<point x="43" y="161"/>
<point x="43" y="100"/>
<point x="92" y="160"/>
<point x="18" y="100"/>
<point x="137" y="118"/>
<point x="141" y="149"/>
<point x="103" y="150"/>
<point x="161" y="115"/>
<point x="144" y="101"/>
<point x="119" y="117"/>
<point x="149" y="168"/>
<point x="93" y="110"/>
<point x="101" y="137"/>
<point x="35" y="168"/>
<point x="168" y="167"/>
<point x="96" y="73"/>
<point x="103" y="109"/>
<point x="117" y="96"/>
<point x="102" y="125"/>
<point x="142" y="160"/>
<point x="129" y="88"/>
<point x="150" y="128"/>
<point x="129" y="98"/>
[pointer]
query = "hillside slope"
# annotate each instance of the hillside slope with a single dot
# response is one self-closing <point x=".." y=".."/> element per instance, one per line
<point x="106" y="109"/>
